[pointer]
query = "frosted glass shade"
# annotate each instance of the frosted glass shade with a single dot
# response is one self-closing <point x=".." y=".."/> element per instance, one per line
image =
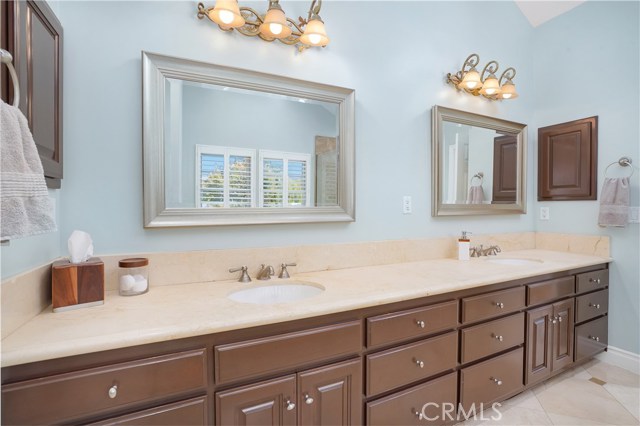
<point x="226" y="13"/>
<point x="471" y="80"/>
<point x="490" y="86"/>
<point x="275" y="24"/>
<point x="315" y="34"/>
<point x="509" y="91"/>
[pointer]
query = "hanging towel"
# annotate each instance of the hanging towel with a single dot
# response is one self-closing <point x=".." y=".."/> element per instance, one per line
<point x="25" y="206"/>
<point x="614" y="202"/>
<point x="476" y="195"/>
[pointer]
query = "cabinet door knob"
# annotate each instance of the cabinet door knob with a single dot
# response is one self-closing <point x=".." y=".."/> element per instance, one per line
<point x="553" y="320"/>
<point x="500" y="305"/>
<point x="420" y="363"/>
<point x="596" y="305"/>
<point x="113" y="391"/>
<point x="420" y="323"/>
<point x="307" y="399"/>
<point x="496" y="381"/>
<point x="419" y="415"/>
<point x="290" y="405"/>
<point x="596" y="338"/>
<point x="559" y="318"/>
<point x="499" y="338"/>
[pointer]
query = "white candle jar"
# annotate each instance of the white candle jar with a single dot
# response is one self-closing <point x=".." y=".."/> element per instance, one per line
<point x="133" y="276"/>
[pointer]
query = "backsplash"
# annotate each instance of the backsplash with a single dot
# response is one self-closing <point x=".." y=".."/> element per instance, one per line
<point x="27" y="294"/>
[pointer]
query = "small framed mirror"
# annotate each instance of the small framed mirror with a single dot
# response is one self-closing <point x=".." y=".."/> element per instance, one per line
<point x="226" y="146"/>
<point x="478" y="164"/>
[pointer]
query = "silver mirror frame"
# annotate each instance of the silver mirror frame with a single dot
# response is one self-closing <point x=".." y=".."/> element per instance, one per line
<point x="157" y="68"/>
<point x="440" y="114"/>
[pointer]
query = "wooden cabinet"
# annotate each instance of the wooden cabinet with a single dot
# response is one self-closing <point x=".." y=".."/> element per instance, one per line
<point x="330" y="395"/>
<point x="492" y="337"/>
<point x="192" y="412"/>
<point x="494" y="304"/>
<point x="33" y="35"/>
<point x="591" y="338"/>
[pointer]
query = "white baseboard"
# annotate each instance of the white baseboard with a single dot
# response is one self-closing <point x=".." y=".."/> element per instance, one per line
<point x="621" y="358"/>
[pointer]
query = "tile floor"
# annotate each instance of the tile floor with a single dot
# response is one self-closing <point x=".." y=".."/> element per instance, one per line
<point x="595" y="393"/>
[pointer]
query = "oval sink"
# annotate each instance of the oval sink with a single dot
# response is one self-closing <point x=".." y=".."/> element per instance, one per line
<point x="514" y="261"/>
<point x="276" y="293"/>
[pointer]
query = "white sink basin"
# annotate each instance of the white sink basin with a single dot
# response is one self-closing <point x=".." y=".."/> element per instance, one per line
<point x="514" y="261"/>
<point x="280" y="292"/>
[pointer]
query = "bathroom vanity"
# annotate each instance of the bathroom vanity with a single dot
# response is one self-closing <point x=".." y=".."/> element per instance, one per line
<point x="468" y="342"/>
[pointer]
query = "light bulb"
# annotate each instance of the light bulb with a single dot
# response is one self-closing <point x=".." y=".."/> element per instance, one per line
<point x="226" y="16"/>
<point x="490" y="91"/>
<point x="506" y="95"/>
<point x="315" y="38"/>
<point x="275" y="28"/>
<point x="471" y="84"/>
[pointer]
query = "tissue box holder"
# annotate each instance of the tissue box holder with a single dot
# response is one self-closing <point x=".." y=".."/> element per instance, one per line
<point x="77" y="285"/>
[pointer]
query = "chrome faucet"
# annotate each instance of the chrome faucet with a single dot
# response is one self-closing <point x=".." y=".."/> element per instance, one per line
<point x="266" y="272"/>
<point x="481" y="251"/>
<point x="244" y="278"/>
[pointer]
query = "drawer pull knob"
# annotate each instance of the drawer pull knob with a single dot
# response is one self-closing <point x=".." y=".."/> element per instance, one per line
<point x="498" y="338"/>
<point x="596" y="338"/>
<point x="307" y="399"/>
<point x="419" y="415"/>
<point x="420" y="363"/>
<point x="496" y="381"/>
<point x="596" y="305"/>
<point x="500" y="305"/>
<point x="420" y="323"/>
<point x="595" y="280"/>
<point x="290" y="405"/>
<point x="113" y="391"/>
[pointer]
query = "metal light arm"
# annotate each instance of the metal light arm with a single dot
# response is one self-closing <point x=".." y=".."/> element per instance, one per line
<point x="491" y="68"/>
<point x="508" y="75"/>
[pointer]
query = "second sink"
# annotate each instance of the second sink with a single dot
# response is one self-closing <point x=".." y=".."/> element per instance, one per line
<point x="280" y="292"/>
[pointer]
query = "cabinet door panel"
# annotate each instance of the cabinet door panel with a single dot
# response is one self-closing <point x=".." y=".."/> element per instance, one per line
<point x="539" y="323"/>
<point x="331" y="395"/>
<point x="562" y="334"/>
<point x="266" y="403"/>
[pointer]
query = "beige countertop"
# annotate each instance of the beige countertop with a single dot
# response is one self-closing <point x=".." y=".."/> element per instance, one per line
<point x="178" y="311"/>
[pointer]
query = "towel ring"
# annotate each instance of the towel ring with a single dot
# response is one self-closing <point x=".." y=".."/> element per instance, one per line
<point x="479" y="176"/>
<point x="622" y="162"/>
<point x="6" y="58"/>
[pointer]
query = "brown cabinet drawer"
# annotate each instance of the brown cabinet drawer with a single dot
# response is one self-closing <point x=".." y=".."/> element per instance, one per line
<point x="590" y="281"/>
<point x="410" y="363"/>
<point x="406" y="407"/>
<point x="492" y="304"/>
<point x="592" y="305"/>
<point x="414" y="323"/>
<point x="192" y="412"/>
<point x="551" y="290"/>
<point x="491" y="380"/>
<point x="286" y="351"/>
<point x="87" y="392"/>
<point x="492" y="337"/>
<point x="591" y="338"/>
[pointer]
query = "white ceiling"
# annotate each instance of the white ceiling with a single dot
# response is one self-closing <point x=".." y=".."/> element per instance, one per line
<point x="540" y="11"/>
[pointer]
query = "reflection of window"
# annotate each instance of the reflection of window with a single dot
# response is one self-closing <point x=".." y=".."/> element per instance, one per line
<point x="224" y="176"/>
<point x="284" y="179"/>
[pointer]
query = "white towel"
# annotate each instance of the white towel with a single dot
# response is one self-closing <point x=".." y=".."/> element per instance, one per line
<point x="614" y="202"/>
<point x="25" y="206"/>
<point x="476" y="195"/>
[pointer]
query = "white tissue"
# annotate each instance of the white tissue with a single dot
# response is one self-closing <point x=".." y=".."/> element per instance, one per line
<point x="80" y="246"/>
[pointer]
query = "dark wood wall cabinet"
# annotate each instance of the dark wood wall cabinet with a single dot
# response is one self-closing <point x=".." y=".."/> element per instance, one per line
<point x="33" y="35"/>
<point x="568" y="161"/>
<point x="422" y="361"/>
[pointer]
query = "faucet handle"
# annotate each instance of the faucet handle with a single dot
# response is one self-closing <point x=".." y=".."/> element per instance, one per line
<point x="244" y="278"/>
<point x="283" y="272"/>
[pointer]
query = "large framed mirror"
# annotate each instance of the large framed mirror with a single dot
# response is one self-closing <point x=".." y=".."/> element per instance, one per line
<point x="226" y="146"/>
<point x="478" y="164"/>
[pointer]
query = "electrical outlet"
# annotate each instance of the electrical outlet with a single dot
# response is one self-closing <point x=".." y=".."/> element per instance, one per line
<point x="544" y="213"/>
<point x="406" y="204"/>
<point x="634" y="214"/>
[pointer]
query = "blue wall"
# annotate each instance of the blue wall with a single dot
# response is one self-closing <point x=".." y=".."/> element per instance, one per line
<point x="586" y="63"/>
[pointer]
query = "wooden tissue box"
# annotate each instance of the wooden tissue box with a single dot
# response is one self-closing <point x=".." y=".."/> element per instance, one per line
<point x="77" y="285"/>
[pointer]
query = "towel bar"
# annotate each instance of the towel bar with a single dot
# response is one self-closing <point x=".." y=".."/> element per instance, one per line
<point x="6" y="58"/>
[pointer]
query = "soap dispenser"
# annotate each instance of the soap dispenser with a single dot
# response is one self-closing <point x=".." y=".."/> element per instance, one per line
<point x="464" y="245"/>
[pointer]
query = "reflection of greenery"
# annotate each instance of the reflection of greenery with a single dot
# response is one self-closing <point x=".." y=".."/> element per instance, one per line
<point x="212" y="188"/>
<point x="272" y="183"/>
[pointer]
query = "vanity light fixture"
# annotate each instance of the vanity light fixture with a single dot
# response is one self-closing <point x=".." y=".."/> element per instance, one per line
<point x="485" y="83"/>
<point x="274" y="25"/>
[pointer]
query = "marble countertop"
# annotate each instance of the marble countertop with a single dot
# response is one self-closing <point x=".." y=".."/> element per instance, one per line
<point x="177" y="311"/>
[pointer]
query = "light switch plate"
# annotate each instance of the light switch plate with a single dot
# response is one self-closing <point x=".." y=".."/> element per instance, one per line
<point x="634" y="214"/>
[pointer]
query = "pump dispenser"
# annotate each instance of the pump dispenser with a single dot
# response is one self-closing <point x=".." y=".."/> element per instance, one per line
<point x="464" y="243"/>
